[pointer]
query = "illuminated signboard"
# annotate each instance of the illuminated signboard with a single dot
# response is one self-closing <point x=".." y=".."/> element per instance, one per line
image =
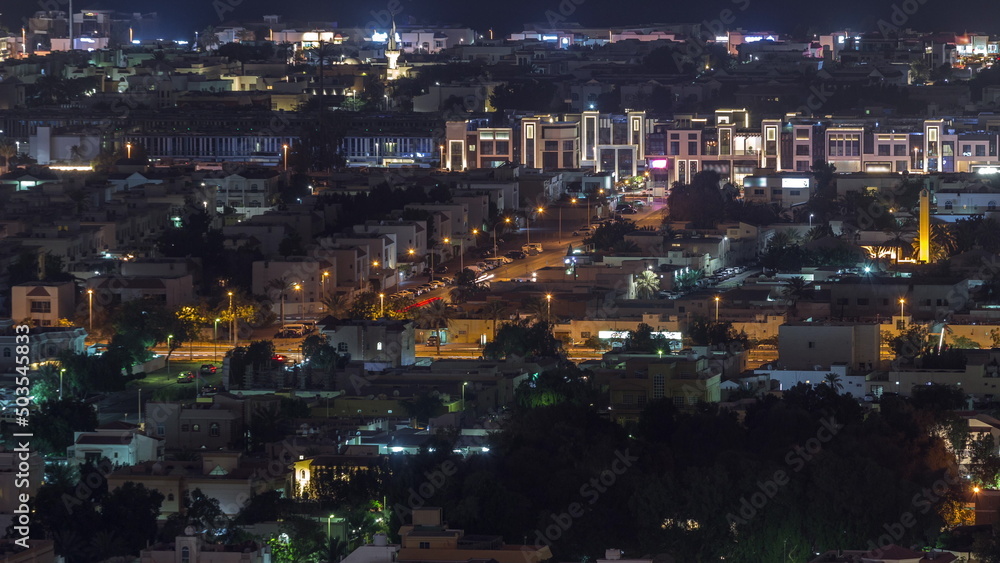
<point x="987" y="170"/>
<point x="794" y="183"/>
<point x="661" y="163"/>
<point x="622" y="334"/>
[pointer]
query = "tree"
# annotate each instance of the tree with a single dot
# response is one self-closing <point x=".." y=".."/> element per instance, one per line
<point x="423" y="407"/>
<point x="519" y="338"/>
<point x="833" y="380"/>
<point x="435" y="316"/>
<point x="336" y="305"/>
<point x="610" y="233"/>
<point x="8" y="150"/>
<point x="700" y="202"/>
<point x="131" y="510"/>
<point x="55" y="422"/>
<point x="494" y="310"/>
<point x="647" y="283"/>
<point x="642" y="340"/>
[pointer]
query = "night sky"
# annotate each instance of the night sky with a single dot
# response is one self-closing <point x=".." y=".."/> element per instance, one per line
<point x="181" y="17"/>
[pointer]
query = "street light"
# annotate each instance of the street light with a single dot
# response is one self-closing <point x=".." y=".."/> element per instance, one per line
<point x="232" y="319"/>
<point x="169" y="337"/>
<point x="302" y="300"/>
<point x="901" y="303"/>
<point x="215" y="338"/>
<point x="322" y="281"/>
<point x="90" y="307"/>
<point x="328" y="521"/>
<point x="285" y="148"/>
<point x="128" y="150"/>
<point x="527" y="222"/>
<point x="464" y="383"/>
<point x="61" y="372"/>
<point x="810" y="219"/>
<point x="717" y="299"/>
<point x="381" y="305"/>
<point x="548" y="307"/>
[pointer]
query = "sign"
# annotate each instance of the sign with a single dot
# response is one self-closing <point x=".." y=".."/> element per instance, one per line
<point x="794" y="183"/>
<point x="623" y="334"/>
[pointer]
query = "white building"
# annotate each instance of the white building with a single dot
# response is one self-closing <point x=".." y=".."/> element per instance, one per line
<point x="122" y="443"/>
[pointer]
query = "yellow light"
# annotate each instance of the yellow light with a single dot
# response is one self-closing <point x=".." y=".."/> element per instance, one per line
<point x="375" y="263"/>
<point x="548" y="296"/>
<point x="90" y="291"/>
<point x="475" y="231"/>
<point x="447" y="240"/>
<point x="381" y="295"/>
<point x="716" y="298"/>
<point x="411" y="252"/>
<point x="506" y="220"/>
<point x="975" y="489"/>
<point x="902" y="301"/>
<point x="230" y="293"/>
<point x="573" y="200"/>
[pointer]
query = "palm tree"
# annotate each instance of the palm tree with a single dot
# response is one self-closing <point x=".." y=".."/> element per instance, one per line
<point x="833" y="380"/>
<point x="208" y="39"/>
<point x="624" y="247"/>
<point x="436" y="316"/>
<point x="245" y="35"/>
<point x="797" y="288"/>
<point x="336" y="305"/>
<point x="647" y="283"/>
<point x="8" y="151"/>
<point x="494" y="310"/>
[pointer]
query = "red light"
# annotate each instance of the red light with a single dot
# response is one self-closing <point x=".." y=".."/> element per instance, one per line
<point x="419" y="304"/>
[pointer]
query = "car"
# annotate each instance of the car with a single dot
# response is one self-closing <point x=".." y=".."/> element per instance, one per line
<point x="585" y="232"/>
<point x="185" y="377"/>
<point x="211" y="389"/>
<point x="404" y="293"/>
<point x="436" y="284"/>
<point x="433" y="340"/>
<point x="208" y="369"/>
<point x="441" y="270"/>
<point x="515" y="255"/>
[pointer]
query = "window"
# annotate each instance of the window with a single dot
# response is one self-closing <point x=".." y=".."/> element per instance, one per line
<point x="584" y="335"/>
<point x="675" y="147"/>
<point x="551" y="145"/>
<point x="793" y="192"/>
<point x="659" y="382"/>
<point x="692" y="147"/>
<point x="899" y="150"/>
<point x="758" y="191"/>
<point x="862" y="301"/>
<point x="948" y="205"/>
<point x="966" y="150"/>
<point x="883" y="150"/>
<point x="41" y="306"/>
<point x="161" y="430"/>
<point x="802" y="134"/>
<point x="378" y="346"/>
<point x="801" y="150"/>
<point x="980" y="150"/>
<point x="675" y="136"/>
<point x="693" y="136"/>
<point x="213" y="430"/>
<point x="812" y="345"/>
<point x="196" y="428"/>
<point x="901" y="324"/>
<point x="425" y="545"/>
<point x="341" y="346"/>
<point x="185" y="428"/>
<point x="567" y="145"/>
<point x="841" y="301"/>
<point x="185" y="554"/>
<point x="170" y="496"/>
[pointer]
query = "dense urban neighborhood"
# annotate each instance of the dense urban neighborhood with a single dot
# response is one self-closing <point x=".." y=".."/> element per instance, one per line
<point x="289" y="291"/>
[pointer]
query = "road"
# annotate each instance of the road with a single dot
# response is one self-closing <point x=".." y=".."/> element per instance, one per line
<point x="545" y="231"/>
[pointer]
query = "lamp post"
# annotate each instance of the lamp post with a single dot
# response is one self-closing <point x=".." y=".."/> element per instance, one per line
<point x="464" y="383"/>
<point x="381" y="305"/>
<point x="810" y="219"/>
<point x="302" y="300"/>
<point x="232" y="319"/>
<point x="527" y="223"/>
<point x="901" y="303"/>
<point x="90" y="307"/>
<point x="61" y="372"/>
<point x="548" y="307"/>
<point x="328" y="522"/>
<point x="215" y="338"/>
<point x="128" y="150"/>
<point x="322" y="282"/>
<point x="169" y="337"/>
<point x="284" y="148"/>
<point x="717" y="300"/>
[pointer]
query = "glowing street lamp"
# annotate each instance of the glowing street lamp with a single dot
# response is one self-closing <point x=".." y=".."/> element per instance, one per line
<point x="61" y="372"/>
<point x="322" y="281"/>
<point x="169" y="337"/>
<point x="901" y="303"/>
<point x="232" y="319"/>
<point x="285" y="148"/>
<point x="302" y="300"/>
<point x="548" y="307"/>
<point x="381" y="305"/>
<point x="90" y="306"/>
<point x="215" y="339"/>
<point x="128" y="150"/>
<point x="717" y="300"/>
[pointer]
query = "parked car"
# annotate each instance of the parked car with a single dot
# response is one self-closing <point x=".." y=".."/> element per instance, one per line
<point x="585" y="231"/>
<point x="207" y="369"/>
<point x="534" y="247"/>
<point x="516" y="255"/>
<point x="432" y="340"/>
<point x="436" y="284"/>
<point x="185" y="377"/>
<point x="441" y="270"/>
<point x="211" y="389"/>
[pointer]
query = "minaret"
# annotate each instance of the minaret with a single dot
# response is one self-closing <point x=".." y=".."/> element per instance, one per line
<point x="924" y="226"/>
<point x="392" y="48"/>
